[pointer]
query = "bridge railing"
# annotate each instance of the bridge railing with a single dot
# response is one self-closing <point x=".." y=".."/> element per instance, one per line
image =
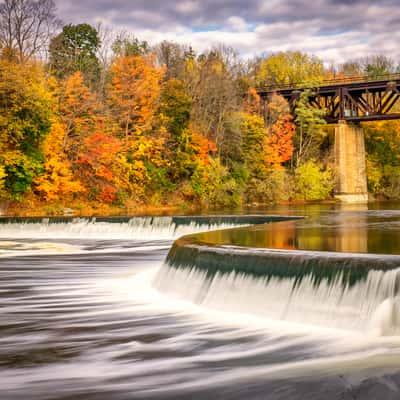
<point x="347" y="80"/>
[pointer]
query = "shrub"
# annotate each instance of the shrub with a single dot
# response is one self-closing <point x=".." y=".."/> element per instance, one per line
<point x="312" y="182"/>
<point x="276" y="186"/>
<point x="214" y="186"/>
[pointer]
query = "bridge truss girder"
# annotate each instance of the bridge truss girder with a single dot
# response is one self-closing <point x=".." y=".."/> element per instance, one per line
<point x="357" y="102"/>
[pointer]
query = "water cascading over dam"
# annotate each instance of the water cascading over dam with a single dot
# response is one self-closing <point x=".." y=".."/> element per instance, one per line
<point x="342" y="287"/>
<point x="342" y="290"/>
<point x="142" y="228"/>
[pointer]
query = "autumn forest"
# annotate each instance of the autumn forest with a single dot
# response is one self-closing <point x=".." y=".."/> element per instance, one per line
<point x="101" y="122"/>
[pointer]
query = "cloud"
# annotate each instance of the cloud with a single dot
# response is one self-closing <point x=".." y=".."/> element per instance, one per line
<point x="334" y="30"/>
<point x="237" y="24"/>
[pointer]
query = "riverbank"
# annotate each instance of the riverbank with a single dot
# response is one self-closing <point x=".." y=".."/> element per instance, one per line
<point x="79" y="209"/>
<point x="31" y="208"/>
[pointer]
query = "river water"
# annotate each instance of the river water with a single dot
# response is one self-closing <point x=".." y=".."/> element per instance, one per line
<point x="89" y="311"/>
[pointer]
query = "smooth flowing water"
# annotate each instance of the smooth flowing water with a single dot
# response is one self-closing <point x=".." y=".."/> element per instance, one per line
<point x="89" y="309"/>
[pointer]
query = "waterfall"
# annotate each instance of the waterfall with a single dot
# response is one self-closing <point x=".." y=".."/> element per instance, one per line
<point x="136" y="228"/>
<point x="354" y="292"/>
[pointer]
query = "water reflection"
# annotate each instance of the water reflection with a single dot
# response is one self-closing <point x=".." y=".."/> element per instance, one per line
<point x="351" y="237"/>
<point x="352" y="229"/>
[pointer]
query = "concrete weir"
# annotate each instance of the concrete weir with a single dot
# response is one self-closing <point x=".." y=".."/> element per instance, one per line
<point x="351" y="184"/>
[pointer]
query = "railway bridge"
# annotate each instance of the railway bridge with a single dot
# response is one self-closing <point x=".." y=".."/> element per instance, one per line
<point x="347" y="103"/>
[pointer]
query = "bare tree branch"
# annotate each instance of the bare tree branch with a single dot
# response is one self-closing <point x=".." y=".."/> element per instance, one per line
<point x="26" y="27"/>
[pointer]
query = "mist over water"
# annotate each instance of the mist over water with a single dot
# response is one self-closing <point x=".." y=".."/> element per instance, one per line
<point x="89" y="310"/>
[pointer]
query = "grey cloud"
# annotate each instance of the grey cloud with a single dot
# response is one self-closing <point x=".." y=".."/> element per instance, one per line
<point x="335" y="14"/>
<point x="183" y="12"/>
<point x="303" y="18"/>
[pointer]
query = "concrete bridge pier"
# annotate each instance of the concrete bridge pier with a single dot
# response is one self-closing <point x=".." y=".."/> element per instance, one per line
<point x="351" y="177"/>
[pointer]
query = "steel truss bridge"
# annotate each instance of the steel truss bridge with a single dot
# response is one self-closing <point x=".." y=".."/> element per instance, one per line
<point x="354" y="99"/>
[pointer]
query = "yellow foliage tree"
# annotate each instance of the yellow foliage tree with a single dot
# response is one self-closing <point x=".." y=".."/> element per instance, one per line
<point x="26" y="106"/>
<point x="288" y="68"/>
<point x="57" y="180"/>
<point x="2" y="182"/>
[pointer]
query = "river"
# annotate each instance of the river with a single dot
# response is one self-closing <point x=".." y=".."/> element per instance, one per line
<point x="89" y="310"/>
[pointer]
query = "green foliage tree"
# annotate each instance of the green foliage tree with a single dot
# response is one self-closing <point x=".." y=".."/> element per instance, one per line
<point x="73" y="50"/>
<point x="231" y="147"/>
<point x="175" y="107"/>
<point x="310" y="132"/>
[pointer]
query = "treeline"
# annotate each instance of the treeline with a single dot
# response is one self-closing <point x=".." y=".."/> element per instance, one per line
<point x="93" y="119"/>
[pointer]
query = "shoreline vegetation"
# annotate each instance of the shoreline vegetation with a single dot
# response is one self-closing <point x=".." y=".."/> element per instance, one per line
<point x="79" y="210"/>
<point x="109" y="124"/>
<point x="45" y="211"/>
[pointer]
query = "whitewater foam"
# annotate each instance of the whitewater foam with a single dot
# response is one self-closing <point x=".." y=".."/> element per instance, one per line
<point x="370" y="305"/>
<point x="146" y="228"/>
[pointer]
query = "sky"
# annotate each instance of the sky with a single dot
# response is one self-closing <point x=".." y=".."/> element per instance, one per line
<point x="334" y="30"/>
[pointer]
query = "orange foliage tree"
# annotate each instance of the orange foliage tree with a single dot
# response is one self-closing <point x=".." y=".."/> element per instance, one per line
<point x="133" y="92"/>
<point x="89" y="141"/>
<point x="202" y="147"/>
<point x="99" y="160"/>
<point x="253" y="102"/>
<point x="278" y="142"/>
